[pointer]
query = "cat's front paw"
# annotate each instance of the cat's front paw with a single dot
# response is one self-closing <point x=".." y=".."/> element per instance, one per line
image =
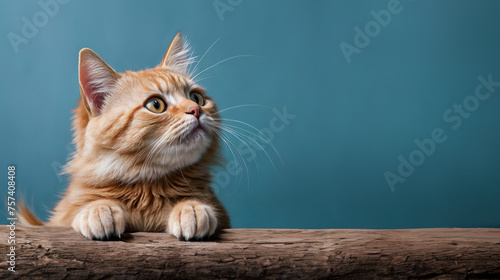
<point x="100" y="220"/>
<point x="192" y="220"/>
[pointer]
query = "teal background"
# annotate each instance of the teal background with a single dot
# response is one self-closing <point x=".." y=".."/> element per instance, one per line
<point x="352" y="120"/>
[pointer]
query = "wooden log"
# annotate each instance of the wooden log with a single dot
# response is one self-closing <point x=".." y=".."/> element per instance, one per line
<point x="438" y="253"/>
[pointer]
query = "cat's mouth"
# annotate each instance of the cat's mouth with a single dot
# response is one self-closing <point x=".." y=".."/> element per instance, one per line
<point x="197" y="132"/>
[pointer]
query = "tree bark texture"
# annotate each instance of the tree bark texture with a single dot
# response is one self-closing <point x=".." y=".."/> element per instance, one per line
<point x="435" y="253"/>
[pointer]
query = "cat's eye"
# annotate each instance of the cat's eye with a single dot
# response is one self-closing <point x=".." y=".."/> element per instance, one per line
<point x="155" y="105"/>
<point x="197" y="97"/>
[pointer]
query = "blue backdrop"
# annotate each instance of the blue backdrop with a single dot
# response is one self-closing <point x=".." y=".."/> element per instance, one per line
<point x="385" y="114"/>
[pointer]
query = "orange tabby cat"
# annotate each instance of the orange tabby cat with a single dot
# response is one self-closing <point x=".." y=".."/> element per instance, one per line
<point x="145" y="143"/>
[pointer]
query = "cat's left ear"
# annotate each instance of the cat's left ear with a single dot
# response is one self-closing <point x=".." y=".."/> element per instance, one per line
<point x="97" y="80"/>
<point x="178" y="56"/>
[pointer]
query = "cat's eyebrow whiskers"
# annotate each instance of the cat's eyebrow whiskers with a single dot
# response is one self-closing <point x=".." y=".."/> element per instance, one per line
<point x="203" y="56"/>
<point x="242" y="105"/>
<point x="224" y="60"/>
<point x="199" y="80"/>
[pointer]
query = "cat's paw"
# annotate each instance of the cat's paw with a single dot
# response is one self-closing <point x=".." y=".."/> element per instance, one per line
<point x="192" y="220"/>
<point x="100" y="220"/>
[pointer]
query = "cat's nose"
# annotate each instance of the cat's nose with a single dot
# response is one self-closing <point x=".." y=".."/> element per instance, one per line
<point x="194" y="110"/>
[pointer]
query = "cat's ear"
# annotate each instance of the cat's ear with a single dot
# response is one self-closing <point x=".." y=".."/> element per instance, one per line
<point x="97" y="80"/>
<point x="178" y="56"/>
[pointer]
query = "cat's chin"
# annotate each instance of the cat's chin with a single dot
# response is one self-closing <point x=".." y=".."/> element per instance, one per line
<point x="112" y="167"/>
<point x="190" y="148"/>
<point x="185" y="153"/>
<point x="197" y="133"/>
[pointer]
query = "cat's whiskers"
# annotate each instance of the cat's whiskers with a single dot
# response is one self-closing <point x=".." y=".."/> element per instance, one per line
<point x="260" y="136"/>
<point x="246" y="144"/>
<point x="227" y="140"/>
<point x="223" y="128"/>
<point x="239" y="134"/>
<point x="265" y="139"/>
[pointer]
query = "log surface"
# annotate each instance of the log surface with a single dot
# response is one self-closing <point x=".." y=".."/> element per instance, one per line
<point x="439" y="253"/>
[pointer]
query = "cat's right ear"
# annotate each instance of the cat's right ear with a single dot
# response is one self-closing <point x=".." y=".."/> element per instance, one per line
<point x="97" y="80"/>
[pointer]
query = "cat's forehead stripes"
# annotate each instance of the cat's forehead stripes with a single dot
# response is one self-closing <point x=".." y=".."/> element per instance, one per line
<point x="163" y="81"/>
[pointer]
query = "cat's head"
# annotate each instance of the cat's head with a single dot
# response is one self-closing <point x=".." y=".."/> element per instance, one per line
<point x="140" y="125"/>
